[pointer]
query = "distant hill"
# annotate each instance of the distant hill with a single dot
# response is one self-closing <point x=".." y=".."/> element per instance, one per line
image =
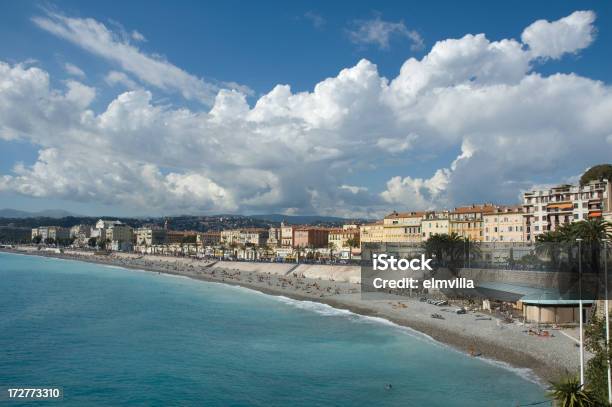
<point x="298" y="219"/>
<point x="50" y="213"/>
<point x="18" y="218"/>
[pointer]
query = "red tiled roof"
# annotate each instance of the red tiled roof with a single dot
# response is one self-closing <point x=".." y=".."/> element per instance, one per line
<point x="486" y="208"/>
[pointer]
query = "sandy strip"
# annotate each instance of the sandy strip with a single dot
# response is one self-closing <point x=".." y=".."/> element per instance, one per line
<point x="548" y="358"/>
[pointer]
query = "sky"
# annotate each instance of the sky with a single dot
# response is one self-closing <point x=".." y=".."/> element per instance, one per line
<point x="161" y="108"/>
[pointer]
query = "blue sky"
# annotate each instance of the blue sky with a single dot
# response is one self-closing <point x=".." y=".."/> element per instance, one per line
<point x="259" y="45"/>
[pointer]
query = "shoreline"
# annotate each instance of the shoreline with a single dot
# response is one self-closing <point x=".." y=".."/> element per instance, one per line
<point x="527" y="356"/>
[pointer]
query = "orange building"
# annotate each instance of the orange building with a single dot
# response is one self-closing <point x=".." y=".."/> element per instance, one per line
<point x="468" y="221"/>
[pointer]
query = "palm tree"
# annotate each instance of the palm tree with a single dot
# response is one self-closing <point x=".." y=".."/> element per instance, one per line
<point x="331" y="246"/>
<point x="233" y="246"/>
<point x="569" y="393"/>
<point x="593" y="230"/>
<point x="547" y="244"/>
<point x="352" y="243"/>
<point x="449" y="250"/>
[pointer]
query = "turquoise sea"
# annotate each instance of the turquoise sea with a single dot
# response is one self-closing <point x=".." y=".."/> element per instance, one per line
<point x="109" y="336"/>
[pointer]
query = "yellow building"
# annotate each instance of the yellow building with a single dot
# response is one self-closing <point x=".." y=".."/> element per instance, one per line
<point x="403" y="227"/>
<point x="467" y="221"/>
<point x="372" y="232"/>
<point x="504" y="225"/>
<point x="231" y="236"/>
<point x="435" y="223"/>
<point x="339" y="238"/>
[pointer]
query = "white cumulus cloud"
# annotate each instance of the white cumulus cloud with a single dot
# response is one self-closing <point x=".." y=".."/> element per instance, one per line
<point x="476" y="108"/>
<point x="566" y="35"/>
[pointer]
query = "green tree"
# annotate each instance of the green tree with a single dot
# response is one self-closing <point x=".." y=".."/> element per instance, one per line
<point x="37" y="239"/>
<point x="103" y="243"/>
<point x="548" y="245"/>
<point x="448" y="250"/>
<point x="596" y="374"/>
<point x="352" y="243"/>
<point x="569" y="393"/>
<point x="601" y="171"/>
<point x="331" y="246"/>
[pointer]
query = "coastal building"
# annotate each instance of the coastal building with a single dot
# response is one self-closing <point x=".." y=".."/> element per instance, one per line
<point x="435" y="223"/>
<point x="100" y="228"/>
<point x="549" y="208"/>
<point x="181" y="236"/>
<point x="402" y="227"/>
<point x="253" y="237"/>
<point x="208" y="239"/>
<point x="371" y="233"/>
<point x="230" y="237"/>
<point x="80" y="231"/>
<point x="121" y="236"/>
<point x="504" y="224"/>
<point x="340" y="240"/>
<point x="310" y="237"/>
<point x="50" y="233"/>
<point x="468" y="221"/>
<point x="287" y="235"/>
<point x="149" y="236"/>
<point x="536" y="304"/>
<point x="80" y="235"/>
<point x="274" y="237"/>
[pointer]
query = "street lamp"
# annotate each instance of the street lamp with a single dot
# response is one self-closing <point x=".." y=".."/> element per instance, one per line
<point x="580" y="310"/>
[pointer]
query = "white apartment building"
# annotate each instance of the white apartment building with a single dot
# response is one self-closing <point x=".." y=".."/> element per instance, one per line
<point x="548" y="209"/>
<point x="287" y="233"/>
